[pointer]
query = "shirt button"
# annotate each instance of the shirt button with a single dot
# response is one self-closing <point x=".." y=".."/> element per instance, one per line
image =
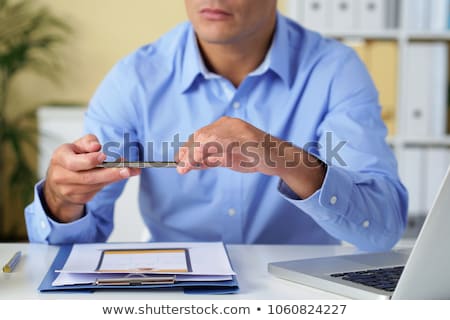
<point x="43" y="224"/>
<point x="333" y="200"/>
<point x="236" y="105"/>
<point x="231" y="212"/>
<point x="366" y="224"/>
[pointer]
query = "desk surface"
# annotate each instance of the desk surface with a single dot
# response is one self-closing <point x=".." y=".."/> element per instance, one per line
<point x="249" y="262"/>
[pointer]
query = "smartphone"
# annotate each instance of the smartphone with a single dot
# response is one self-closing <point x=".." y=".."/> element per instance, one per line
<point x="138" y="164"/>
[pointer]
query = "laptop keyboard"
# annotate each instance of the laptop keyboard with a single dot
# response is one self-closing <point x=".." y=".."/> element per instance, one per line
<point x="385" y="278"/>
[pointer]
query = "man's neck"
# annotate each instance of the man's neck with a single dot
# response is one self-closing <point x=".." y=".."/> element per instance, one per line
<point x="234" y="61"/>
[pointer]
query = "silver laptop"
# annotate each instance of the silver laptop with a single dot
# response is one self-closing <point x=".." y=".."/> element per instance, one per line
<point x="420" y="273"/>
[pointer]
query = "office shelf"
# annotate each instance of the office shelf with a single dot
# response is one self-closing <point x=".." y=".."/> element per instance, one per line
<point x="369" y="35"/>
<point x="420" y="153"/>
<point x="429" y="36"/>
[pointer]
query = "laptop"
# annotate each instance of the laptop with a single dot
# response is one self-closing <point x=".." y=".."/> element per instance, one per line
<point x="420" y="273"/>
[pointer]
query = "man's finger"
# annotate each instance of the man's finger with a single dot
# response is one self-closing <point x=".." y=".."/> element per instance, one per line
<point x="83" y="162"/>
<point x="88" y="143"/>
<point x="80" y="189"/>
<point x="105" y="176"/>
<point x="91" y="177"/>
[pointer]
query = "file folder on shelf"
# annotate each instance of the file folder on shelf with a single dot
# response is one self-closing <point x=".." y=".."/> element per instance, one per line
<point x="343" y="16"/>
<point x="134" y="280"/>
<point x="372" y="15"/>
<point x="316" y="14"/>
<point x="426" y="83"/>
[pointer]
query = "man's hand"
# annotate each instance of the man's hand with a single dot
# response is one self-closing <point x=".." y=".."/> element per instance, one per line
<point x="73" y="179"/>
<point x="236" y="144"/>
<point x="228" y="142"/>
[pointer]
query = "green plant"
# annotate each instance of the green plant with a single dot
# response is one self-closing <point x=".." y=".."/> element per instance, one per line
<point x="29" y="36"/>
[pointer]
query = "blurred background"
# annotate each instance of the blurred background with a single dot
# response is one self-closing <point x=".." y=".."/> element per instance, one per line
<point x="54" y="53"/>
<point x="46" y="96"/>
<point x="95" y="35"/>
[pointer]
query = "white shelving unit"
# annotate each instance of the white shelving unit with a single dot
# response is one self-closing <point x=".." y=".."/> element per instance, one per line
<point x="395" y="35"/>
<point x="406" y="146"/>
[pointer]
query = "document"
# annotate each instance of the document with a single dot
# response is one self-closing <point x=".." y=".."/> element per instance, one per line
<point x="65" y="279"/>
<point x="144" y="260"/>
<point x="109" y="263"/>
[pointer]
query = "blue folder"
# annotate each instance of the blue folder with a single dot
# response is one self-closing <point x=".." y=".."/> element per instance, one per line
<point x="191" y="287"/>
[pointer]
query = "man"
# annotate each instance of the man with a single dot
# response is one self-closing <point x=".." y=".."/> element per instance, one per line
<point x="284" y="140"/>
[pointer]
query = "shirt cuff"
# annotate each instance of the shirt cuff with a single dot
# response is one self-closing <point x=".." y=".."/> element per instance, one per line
<point x="42" y="228"/>
<point x="38" y="226"/>
<point x="330" y="201"/>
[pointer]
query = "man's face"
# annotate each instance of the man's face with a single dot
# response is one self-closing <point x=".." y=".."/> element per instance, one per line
<point x="230" y="21"/>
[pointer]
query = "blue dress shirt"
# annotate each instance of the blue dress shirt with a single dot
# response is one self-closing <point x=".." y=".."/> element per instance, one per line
<point x="311" y="91"/>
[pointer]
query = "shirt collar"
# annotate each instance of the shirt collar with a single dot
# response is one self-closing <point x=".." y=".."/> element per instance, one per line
<point x="192" y="63"/>
<point x="280" y="51"/>
<point x="277" y="58"/>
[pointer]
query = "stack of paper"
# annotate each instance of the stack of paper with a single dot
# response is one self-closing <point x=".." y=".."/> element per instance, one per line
<point x="143" y="265"/>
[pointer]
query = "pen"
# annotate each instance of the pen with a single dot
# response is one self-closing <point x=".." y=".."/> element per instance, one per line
<point x="138" y="164"/>
<point x="9" y="267"/>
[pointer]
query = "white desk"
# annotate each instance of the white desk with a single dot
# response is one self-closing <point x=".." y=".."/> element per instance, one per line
<point x="249" y="262"/>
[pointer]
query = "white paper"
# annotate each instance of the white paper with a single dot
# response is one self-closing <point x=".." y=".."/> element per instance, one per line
<point x="206" y="258"/>
<point x="66" y="279"/>
<point x="142" y="261"/>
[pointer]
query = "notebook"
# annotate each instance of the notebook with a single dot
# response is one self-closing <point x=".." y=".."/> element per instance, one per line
<point x="420" y="273"/>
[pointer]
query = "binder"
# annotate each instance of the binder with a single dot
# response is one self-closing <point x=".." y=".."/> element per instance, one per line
<point x="295" y="10"/>
<point x="418" y="15"/>
<point x="381" y="60"/>
<point x="426" y="101"/>
<point x="383" y="66"/>
<point x="167" y="282"/>
<point x="439" y="95"/>
<point x="412" y="173"/>
<point x="316" y="14"/>
<point x="419" y="90"/>
<point x="343" y="14"/>
<point x="439" y="11"/>
<point x="372" y="14"/>
<point x="392" y="14"/>
<point x="437" y="162"/>
<point x="448" y="16"/>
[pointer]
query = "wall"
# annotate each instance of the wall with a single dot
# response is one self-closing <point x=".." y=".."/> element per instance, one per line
<point x="104" y="31"/>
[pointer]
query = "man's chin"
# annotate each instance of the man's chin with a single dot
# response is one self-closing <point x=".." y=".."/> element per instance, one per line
<point x="218" y="39"/>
